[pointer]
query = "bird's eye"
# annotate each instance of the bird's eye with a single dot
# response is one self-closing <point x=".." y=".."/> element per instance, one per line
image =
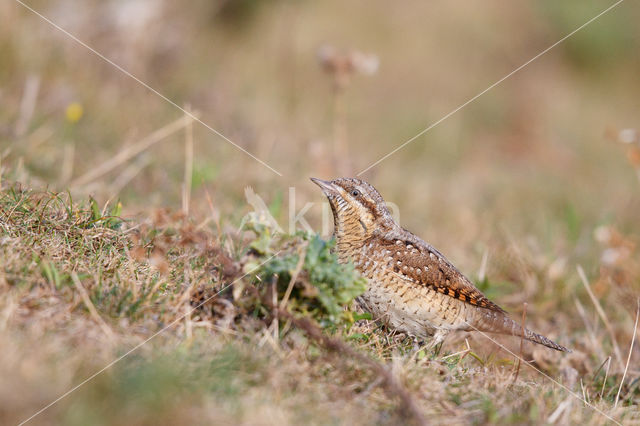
<point x="355" y="192"/>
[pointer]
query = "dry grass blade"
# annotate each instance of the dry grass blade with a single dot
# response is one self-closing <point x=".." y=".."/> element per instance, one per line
<point x="602" y="314"/>
<point x="294" y="276"/>
<point x="606" y="375"/>
<point x="464" y="352"/>
<point x="482" y="273"/>
<point x="562" y="407"/>
<point x="27" y="104"/>
<point x="633" y="340"/>
<point x="524" y="319"/>
<point x="66" y="169"/>
<point x="92" y="309"/>
<point x="606" y="361"/>
<point x="131" y="151"/>
<point x="188" y="166"/>
<point x="588" y="328"/>
<point x="127" y="175"/>
<point x="275" y="324"/>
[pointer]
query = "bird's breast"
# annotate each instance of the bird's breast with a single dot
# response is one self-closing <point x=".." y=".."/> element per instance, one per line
<point x="402" y="302"/>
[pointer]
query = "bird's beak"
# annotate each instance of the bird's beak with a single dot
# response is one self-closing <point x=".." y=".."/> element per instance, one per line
<point x="327" y="187"/>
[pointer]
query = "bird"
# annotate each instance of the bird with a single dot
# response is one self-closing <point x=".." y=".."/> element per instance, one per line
<point x="412" y="287"/>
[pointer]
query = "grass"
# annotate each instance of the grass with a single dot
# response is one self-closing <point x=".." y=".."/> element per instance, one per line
<point x="518" y="189"/>
<point x="230" y="360"/>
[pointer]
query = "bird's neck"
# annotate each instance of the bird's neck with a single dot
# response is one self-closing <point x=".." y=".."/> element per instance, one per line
<point x="352" y="235"/>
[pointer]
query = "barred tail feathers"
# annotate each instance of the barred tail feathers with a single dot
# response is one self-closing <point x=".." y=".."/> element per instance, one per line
<point x="497" y="322"/>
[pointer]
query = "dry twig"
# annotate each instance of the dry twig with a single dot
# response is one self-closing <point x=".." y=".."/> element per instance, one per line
<point x="390" y="382"/>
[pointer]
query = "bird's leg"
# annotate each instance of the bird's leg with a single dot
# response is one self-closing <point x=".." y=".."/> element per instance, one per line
<point x="437" y="339"/>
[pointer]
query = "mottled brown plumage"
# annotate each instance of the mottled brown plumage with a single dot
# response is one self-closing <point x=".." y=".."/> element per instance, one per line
<point x="411" y="285"/>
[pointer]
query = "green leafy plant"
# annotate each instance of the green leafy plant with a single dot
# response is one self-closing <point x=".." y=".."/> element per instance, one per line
<point x="320" y="286"/>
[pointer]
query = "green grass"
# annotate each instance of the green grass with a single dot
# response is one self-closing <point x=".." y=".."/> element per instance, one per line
<point x="229" y="360"/>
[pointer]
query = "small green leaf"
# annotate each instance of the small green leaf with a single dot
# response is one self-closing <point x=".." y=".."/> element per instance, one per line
<point x="95" y="209"/>
<point x="362" y="316"/>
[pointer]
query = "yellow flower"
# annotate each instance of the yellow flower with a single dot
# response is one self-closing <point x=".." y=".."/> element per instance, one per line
<point x="74" y="112"/>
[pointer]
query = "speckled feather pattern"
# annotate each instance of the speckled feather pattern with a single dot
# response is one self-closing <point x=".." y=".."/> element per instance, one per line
<point x="412" y="287"/>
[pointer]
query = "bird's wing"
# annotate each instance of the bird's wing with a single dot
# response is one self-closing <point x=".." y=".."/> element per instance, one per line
<point x="421" y="263"/>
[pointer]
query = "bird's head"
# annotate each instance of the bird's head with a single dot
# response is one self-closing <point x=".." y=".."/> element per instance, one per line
<point x="358" y="209"/>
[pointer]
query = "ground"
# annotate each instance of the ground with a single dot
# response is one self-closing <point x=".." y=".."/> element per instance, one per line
<point x="139" y="284"/>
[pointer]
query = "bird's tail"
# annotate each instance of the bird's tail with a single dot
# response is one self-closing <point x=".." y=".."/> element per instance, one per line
<point x="495" y="322"/>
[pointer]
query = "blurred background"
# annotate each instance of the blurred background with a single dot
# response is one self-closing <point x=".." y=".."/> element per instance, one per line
<point x="326" y="89"/>
<point x="535" y="177"/>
